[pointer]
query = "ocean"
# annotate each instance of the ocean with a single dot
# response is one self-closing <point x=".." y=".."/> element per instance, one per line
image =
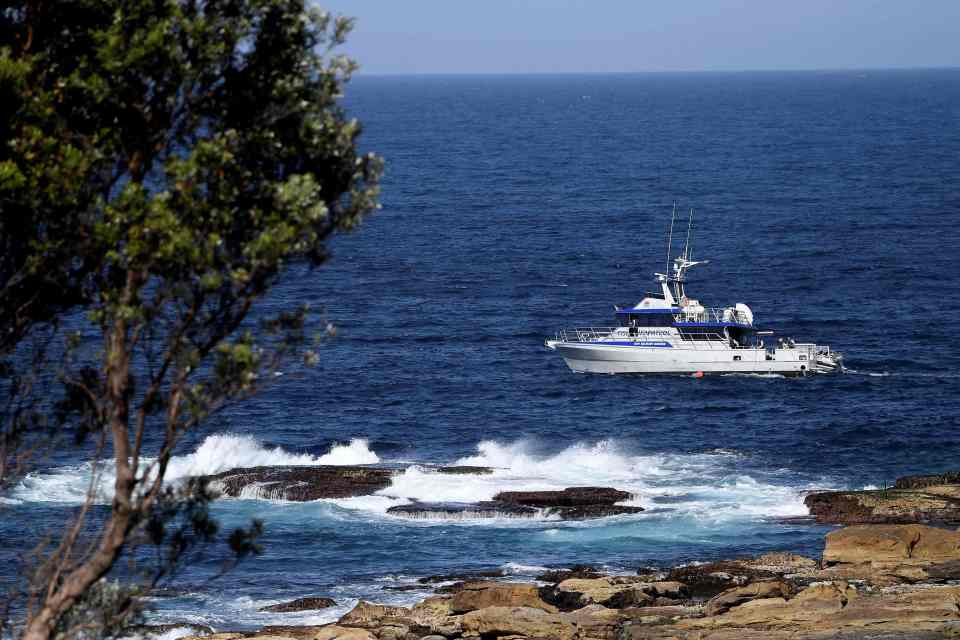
<point x="514" y="206"/>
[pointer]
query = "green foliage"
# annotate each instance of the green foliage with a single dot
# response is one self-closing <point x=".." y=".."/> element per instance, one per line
<point x="162" y="163"/>
<point x="106" y="609"/>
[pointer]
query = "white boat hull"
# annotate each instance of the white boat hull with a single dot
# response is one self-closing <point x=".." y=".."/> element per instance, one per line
<point x="599" y="358"/>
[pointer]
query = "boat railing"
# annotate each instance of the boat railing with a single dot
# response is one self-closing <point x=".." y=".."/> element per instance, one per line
<point x="713" y="314"/>
<point x="584" y="334"/>
<point x="703" y="342"/>
<point x="709" y="342"/>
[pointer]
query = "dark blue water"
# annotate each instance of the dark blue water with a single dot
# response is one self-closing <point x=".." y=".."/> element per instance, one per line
<point x="514" y="206"/>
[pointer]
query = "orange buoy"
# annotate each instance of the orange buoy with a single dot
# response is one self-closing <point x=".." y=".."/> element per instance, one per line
<point x="698" y="374"/>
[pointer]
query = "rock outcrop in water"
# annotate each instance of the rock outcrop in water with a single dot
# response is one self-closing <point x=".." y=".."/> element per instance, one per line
<point x="467" y="510"/>
<point x="574" y="503"/>
<point x="570" y="497"/>
<point x="877" y="581"/>
<point x="311" y="603"/>
<point x="303" y="483"/>
<point x="913" y="499"/>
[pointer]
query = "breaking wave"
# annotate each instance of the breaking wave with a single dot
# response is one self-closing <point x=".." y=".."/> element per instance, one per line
<point x="219" y="452"/>
<point x="707" y="485"/>
<point x="710" y="485"/>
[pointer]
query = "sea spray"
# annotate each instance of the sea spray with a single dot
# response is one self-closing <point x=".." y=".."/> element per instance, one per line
<point x="704" y="485"/>
<point x="218" y="452"/>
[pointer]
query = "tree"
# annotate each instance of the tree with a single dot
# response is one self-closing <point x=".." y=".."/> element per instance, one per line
<point x="163" y="163"/>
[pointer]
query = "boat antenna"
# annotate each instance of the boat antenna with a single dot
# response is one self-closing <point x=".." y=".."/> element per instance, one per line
<point x="670" y="238"/>
<point x="686" y="246"/>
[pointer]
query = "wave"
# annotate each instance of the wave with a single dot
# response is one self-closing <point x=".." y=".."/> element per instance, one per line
<point x="218" y="452"/>
<point x="708" y="486"/>
<point x="871" y="374"/>
<point x="224" y="610"/>
<point x="939" y="374"/>
<point x="705" y="485"/>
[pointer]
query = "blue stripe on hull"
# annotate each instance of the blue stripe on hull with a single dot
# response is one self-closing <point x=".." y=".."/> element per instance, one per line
<point x="646" y="343"/>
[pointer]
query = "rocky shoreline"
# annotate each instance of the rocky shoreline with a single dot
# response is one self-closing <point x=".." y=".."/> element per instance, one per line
<point x="928" y="499"/>
<point x="879" y="581"/>
<point x="898" y="576"/>
<point x="302" y="484"/>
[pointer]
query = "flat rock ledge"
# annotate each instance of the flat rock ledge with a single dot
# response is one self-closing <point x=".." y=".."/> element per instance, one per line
<point x="573" y="503"/>
<point x="310" y="603"/>
<point x="933" y="499"/>
<point x="875" y="581"/>
<point x="302" y="484"/>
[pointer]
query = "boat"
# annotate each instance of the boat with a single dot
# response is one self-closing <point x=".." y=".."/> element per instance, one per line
<point x="669" y="332"/>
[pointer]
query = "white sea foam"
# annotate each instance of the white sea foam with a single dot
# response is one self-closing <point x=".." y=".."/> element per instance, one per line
<point x="516" y="568"/>
<point x="871" y="374"/>
<point x="224" y="611"/>
<point x="216" y="453"/>
<point x="707" y="486"/>
<point x="170" y="634"/>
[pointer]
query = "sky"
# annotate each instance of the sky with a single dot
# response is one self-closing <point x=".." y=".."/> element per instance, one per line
<point x="548" y="36"/>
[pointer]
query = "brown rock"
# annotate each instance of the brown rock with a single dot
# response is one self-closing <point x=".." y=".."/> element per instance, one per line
<point x="371" y="616"/>
<point x="480" y="595"/>
<point x="631" y="596"/>
<point x="878" y="574"/>
<point x="296" y="632"/>
<point x="577" y="571"/>
<point x="709" y="579"/>
<point x="499" y="509"/>
<point x="574" y="503"/>
<point x="668" y="589"/>
<point x="436" y="615"/>
<point x="903" y="544"/>
<point x="595" y="622"/>
<point x="336" y="632"/>
<point x="939" y="504"/>
<point x="147" y="630"/>
<point x="813" y="603"/>
<point x="470" y="575"/>
<point x="949" y="570"/>
<point x="465" y="470"/>
<point x="394" y="632"/>
<point x="518" y="621"/>
<point x="922" y="482"/>
<point x="739" y="595"/>
<point x="579" y="592"/>
<point x="301" y="483"/>
<point x="781" y="563"/>
<point x="570" y="497"/>
<point x="913" y="608"/>
<point x="671" y="613"/>
<point x="300" y="604"/>
<point x="471" y="510"/>
<point x="589" y="512"/>
<point x="616" y="592"/>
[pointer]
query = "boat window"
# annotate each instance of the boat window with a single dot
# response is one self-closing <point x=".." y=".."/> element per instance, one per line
<point x="736" y="358"/>
<point x="652" y="319"/>
<point x="803" y="357"/>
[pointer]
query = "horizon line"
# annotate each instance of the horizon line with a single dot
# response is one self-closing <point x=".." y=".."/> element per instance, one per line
<point x="950" y="67"/>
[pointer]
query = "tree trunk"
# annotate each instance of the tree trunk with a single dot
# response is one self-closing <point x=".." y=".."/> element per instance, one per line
<point x="60" y="597"/>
